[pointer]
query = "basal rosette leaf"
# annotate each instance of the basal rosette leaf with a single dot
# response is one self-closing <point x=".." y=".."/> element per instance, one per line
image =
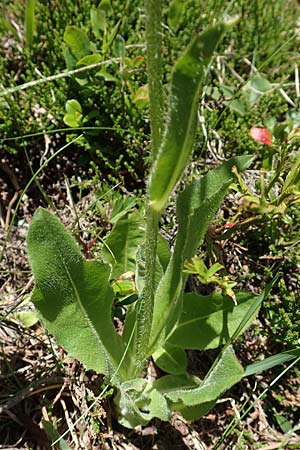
<point x="137" y="402"/>
<point x="73" y="296"/>
<point x="189" y="393"/>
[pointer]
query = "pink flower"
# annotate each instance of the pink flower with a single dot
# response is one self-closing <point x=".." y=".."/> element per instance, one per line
<point x="262" y="135"/>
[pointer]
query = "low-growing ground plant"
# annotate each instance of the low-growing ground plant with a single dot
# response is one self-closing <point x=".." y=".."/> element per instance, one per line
<point x="115" y="313"/>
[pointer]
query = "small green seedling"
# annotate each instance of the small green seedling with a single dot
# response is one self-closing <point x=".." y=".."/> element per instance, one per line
<point x="209" y="276"/>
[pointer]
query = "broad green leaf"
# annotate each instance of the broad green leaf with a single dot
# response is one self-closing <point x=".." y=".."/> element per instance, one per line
<point x="163" y="251"/>
<point x="27" y="318"/>
<point x="210" y="321"/>
<point x="98" y="21"/>
<point x="121" y="245"/>
<point x="228" y="91"/>
<point x="176" y="383"/>
<point x="195" y="207"/>
<point x="137" y="403"/>
<point x="105" y="5"/>
<point x="272" y="361"/>
<point x="77" y="41"/>
<point x="195" y="412"/>
<point x="74" y="114"/>
<point x="171" y="359"/>
<point x="284" y="424"/>
<point x="177" y="142"/>
<point x="120" y="207"/>
<point x="199" y="202"/>
<point x="106" y="76"/>
<point x="87" y="60"/>
<point x="237" y="106"/>
<point x="69" y="57"/>
<point x="170" y="383"/>
<point x="73" y="295"/>
<point x="224" y="374"/>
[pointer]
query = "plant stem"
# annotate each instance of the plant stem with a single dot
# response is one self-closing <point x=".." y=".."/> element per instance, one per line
<point x="153" y="42"/>
<point x="146" y="303"/>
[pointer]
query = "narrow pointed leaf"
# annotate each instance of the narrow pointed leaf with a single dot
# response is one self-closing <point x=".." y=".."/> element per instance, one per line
<point x="177" y="143"/>
<point x="73" y="295"/>
<point x="29" y="22"/>
<point x="272" y="361"/>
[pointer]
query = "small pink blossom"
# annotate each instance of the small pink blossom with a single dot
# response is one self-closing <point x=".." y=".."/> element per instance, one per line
<point x="262" y="135"/>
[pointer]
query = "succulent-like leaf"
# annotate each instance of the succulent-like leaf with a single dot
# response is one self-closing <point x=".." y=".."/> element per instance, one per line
<point x="73" y="295"/>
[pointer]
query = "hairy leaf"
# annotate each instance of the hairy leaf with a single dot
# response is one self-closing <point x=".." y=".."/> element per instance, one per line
<point x="137" y="403"/>
<point x="73" y="295"/>
<point x="177" y="143"/>
<point x="225" y="373"/>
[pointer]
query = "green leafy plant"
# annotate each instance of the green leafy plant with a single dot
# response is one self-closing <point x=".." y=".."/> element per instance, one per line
<point x="77" y="298"/>
<point x="209" y="275"/>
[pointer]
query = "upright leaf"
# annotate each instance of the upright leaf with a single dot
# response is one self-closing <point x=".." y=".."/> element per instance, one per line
<point x="77" y="41"/>
<point x="73" y="295"/>
<point x="195" y="207"/>
<point x="29" y="22"/>
<point x="171" y="359"/>
<point x="177" y="143"/>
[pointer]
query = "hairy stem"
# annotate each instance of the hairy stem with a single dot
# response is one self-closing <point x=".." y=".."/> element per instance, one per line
<point x="145" y="309"/>
<point x="153" y="41"/>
